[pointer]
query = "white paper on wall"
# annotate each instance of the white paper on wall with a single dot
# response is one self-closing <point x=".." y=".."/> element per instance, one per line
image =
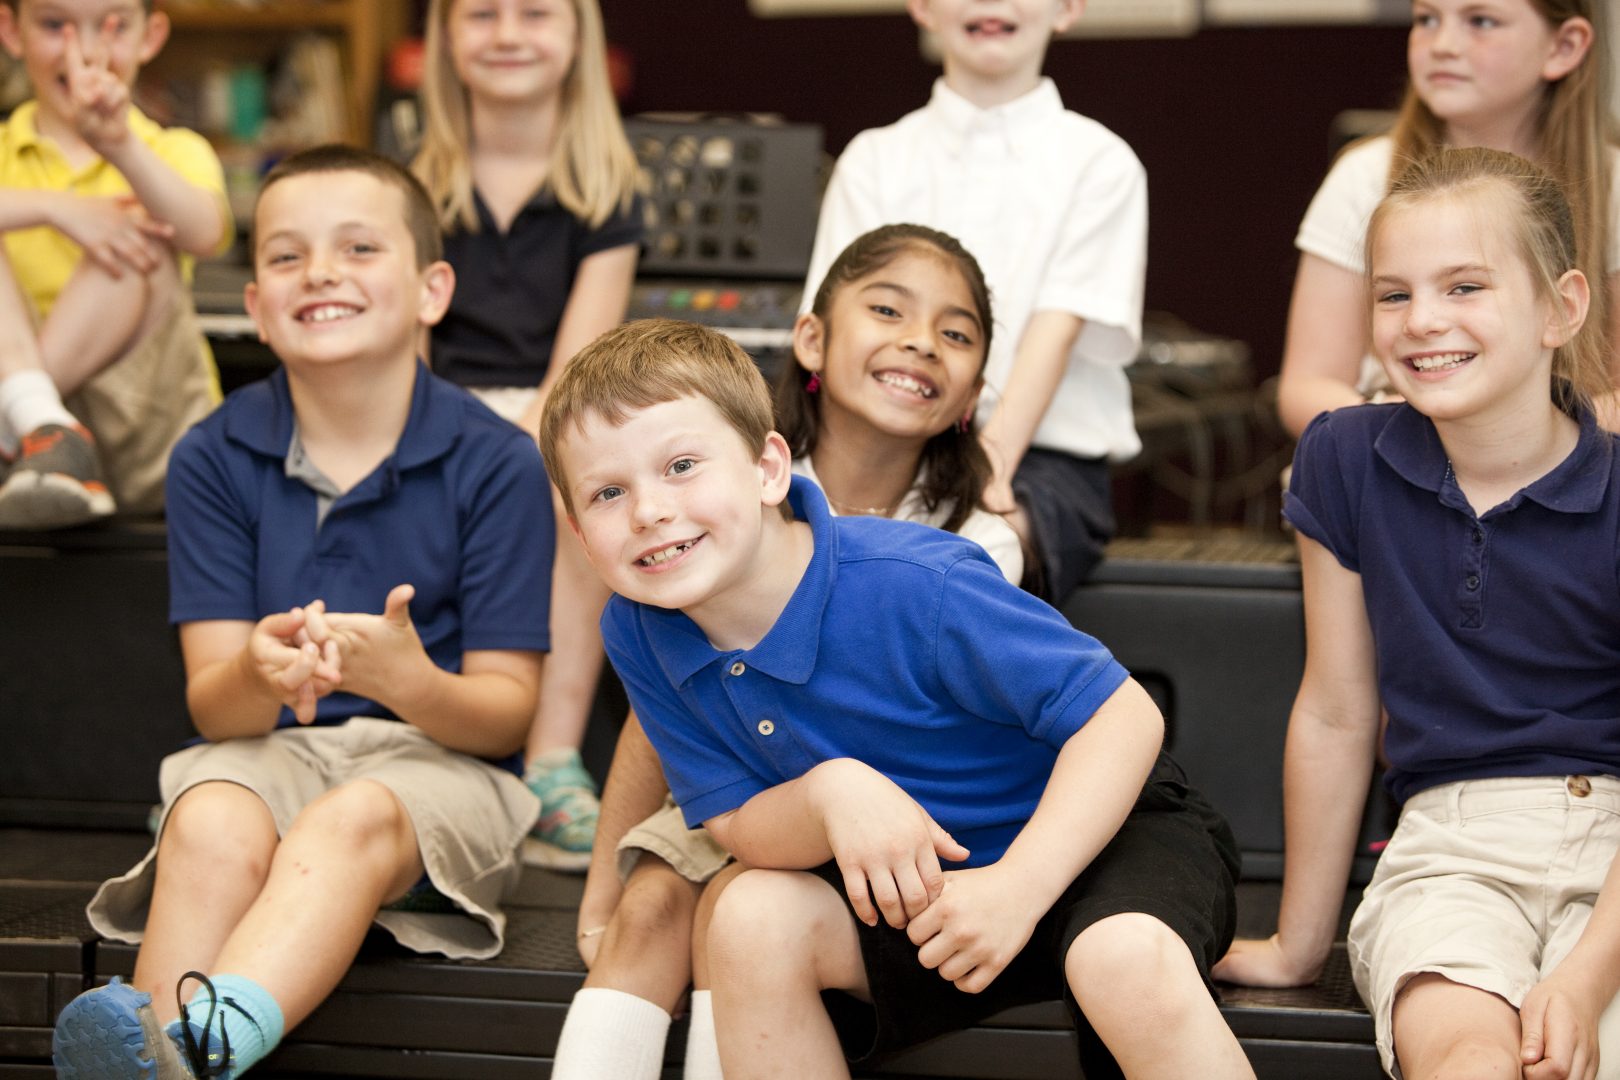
<point x="1217" y="12"/>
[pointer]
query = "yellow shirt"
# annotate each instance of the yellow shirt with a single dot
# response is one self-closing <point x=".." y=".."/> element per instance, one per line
<point x="43" y="258"/>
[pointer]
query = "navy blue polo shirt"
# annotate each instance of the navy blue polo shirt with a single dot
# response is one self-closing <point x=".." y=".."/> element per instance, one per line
<point x="512" y="287"/>
<point x="1498" y="635"/>
<point x="902" y="647"/>
<point x="461" y="510"/>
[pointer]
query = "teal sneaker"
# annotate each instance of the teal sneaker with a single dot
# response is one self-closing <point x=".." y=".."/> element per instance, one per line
<point x="562" y="837"/>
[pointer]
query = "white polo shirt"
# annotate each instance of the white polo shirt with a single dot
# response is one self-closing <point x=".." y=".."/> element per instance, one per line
<point x="1054" y="207"/>
<point x="989" y="531"/>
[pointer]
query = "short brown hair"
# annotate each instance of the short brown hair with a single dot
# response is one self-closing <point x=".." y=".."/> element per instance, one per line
<point x="646" y="363"/>
<point x="336" y="157"/>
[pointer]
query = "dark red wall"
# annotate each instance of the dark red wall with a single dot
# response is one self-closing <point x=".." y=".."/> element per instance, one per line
<point x="1233" y="125"/>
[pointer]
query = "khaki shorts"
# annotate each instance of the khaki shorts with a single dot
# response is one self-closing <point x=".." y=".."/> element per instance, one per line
<point x="692" y="852"/>
<point x="469" y="818"/>
<point x="1488" y="883"/>
<point x="507" y="402"/>
<point x="141" y="403"/>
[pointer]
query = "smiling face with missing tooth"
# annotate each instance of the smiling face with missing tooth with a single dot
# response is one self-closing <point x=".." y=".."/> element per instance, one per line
<point x="672" y="507"/>
<point x="336" y="274"/>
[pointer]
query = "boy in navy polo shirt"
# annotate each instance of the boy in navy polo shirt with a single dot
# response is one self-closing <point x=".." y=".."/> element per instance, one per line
<point x="360" y="555"/>
<point x="849" y="700"/>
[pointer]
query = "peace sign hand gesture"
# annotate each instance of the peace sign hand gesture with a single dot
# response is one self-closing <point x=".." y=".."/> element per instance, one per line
<point x="99" y="98"/>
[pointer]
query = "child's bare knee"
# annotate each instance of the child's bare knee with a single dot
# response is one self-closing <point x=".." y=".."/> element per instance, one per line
<point x="657" y="906"/>
<point x="1134" y="964"/>
<point x="763" y="913"/>
<point x="1472" y="1058"/>
<point x="223" y="823"/>
<point x="359" y="817"/>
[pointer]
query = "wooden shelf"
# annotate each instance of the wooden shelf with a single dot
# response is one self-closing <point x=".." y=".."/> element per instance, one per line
<point x="366" y="28"/>
<point x="321" y="15"/>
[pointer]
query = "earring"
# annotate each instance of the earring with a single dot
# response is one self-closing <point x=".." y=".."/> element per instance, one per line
<point x="814" y="384"/>
<point x="964" y="424"/>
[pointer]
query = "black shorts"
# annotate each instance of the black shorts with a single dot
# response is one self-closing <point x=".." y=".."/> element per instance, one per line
<point x="1174" y="858"/>
<point x="1069" y="503"/>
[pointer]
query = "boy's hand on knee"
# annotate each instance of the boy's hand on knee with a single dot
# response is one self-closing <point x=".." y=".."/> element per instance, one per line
<point x="887" y="846"/>
<point x="1558" y="1025"/>
<point x="1266" y="962"/>
<point x="100" y="99"/>
<point x="115" y="232"/>
<point x="378" y="654"/>
<point x="979" y="923"/>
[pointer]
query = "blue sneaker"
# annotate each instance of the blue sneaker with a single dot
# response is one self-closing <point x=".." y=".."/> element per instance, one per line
<point x="111" y="1033"/>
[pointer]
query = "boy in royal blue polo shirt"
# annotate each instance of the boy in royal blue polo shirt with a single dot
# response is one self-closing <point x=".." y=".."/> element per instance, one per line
<point x="360" y="555"/>
<point x="853" y="699"/>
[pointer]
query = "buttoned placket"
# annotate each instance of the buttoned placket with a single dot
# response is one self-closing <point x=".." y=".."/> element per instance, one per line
<point x="753" y="701"/>
<point x="1471" y="542"/>
<point x="984" y="148"/>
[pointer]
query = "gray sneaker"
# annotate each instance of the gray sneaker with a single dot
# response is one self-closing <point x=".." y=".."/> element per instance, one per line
<point x="55" y="481"/>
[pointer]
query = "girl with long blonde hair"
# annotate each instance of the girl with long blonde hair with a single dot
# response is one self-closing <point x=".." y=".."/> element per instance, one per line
<point x="1525" y="76"/>
<point x="526" y="161"/>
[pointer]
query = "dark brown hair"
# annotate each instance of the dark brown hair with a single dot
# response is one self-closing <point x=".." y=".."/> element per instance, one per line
<point x="953" y="465"/>
<point x="336" y="157"/>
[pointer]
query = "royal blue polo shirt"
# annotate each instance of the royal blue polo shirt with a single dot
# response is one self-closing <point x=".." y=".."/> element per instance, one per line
<point x="460" y="509"/>
<point x="902" y="647"/>
<point x="512" y="287"/>
<point x="1497" y="635"/>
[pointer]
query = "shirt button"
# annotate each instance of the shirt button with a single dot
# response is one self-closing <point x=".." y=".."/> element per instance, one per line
<point x="1479" y="536"/>
<point x="738" y="668"/>
<point x="766" y="727"/>
<point x="1472" y="582"/>
<point x="1579" y="786"/>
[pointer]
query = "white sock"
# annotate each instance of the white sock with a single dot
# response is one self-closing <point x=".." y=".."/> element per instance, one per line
<point x="609" y="1033"/>
<point x="702" y="1051"/>
<point x="28" y="401"/>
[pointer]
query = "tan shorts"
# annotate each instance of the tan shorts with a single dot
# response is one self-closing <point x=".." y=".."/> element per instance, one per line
<point x="1488" y="883"/>
<point x="507" y="402"/>
<point x="141" y="403"/>
<point x="692" y="852"/>
<point x="469" y="818"/>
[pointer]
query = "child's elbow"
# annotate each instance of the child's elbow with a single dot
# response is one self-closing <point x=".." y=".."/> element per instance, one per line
<point x="1132" y="711"/>
<point x="207" y="242"/>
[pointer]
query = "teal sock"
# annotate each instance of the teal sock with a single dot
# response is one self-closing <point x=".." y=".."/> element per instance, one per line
<point x="244" y="1014"/>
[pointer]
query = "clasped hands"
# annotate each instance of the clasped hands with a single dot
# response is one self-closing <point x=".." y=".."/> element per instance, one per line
<point x="968" y="924"/>
<point x="306" y="653"/>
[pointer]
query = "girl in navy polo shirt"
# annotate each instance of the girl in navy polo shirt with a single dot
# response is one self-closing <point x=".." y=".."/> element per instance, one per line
<point x="528" y="166"/>
<point x="1461" y="563"/>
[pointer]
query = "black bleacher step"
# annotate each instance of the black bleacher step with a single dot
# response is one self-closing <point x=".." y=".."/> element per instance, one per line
<point x="84" y="856"/>
<point x="404" y="1016"/>
<point x="1217" y="562"/>
<point x="45" y="946"/>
